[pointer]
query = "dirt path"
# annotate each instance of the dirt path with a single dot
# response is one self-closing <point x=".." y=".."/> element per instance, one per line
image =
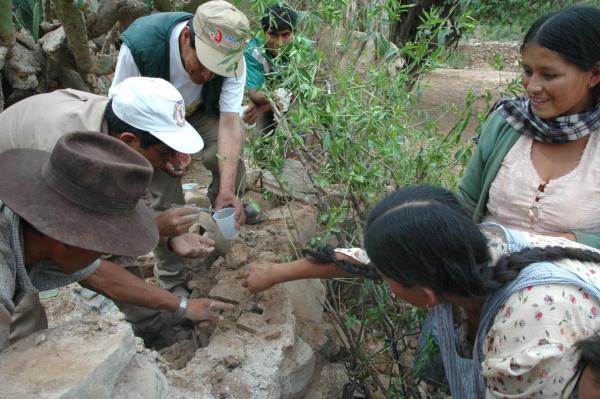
<point x="446" y="90"/>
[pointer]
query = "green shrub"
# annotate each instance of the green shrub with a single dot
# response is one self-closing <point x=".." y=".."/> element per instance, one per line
<point x="369" y="143"/>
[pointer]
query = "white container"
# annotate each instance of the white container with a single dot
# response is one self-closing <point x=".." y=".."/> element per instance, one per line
<point x="225" y="219"/>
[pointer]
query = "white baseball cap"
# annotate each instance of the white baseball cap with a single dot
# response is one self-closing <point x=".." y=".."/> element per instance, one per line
<point x="155" y="105"/>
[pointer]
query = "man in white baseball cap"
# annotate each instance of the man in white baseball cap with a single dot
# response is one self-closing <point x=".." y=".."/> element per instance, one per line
<point x="148" y="114"/>
<point x="155" y="106"/>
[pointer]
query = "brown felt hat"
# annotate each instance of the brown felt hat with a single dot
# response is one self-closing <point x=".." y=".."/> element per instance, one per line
<point x="86" y="193"/>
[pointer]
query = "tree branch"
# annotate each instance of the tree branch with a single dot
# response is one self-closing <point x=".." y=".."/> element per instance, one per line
<point x="7" y="30"/>
<point x="77" y="37"/>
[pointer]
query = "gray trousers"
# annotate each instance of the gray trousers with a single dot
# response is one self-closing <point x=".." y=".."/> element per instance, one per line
<point x="166" y="190"/>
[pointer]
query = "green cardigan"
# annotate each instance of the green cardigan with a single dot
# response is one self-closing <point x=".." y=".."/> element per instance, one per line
<point x="496" y="139"/>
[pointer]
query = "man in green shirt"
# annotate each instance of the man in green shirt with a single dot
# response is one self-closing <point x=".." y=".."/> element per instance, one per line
<point x="279" y="24"/>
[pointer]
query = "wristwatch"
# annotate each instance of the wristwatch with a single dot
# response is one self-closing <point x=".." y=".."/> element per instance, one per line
<point x="182" y="306"/>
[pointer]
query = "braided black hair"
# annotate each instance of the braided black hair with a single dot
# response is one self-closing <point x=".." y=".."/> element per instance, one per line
<point x="509" y="266"/>
<point x="420" y="236"/>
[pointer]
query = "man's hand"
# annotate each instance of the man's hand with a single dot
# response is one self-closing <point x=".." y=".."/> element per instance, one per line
<point x="253" y="112"/>
<point x="203" y="310"/>
<point x="176" y="221"/>
<point x="259" y="277"/>
<point x="225" y="199"/>
<point x="190" y="245"/>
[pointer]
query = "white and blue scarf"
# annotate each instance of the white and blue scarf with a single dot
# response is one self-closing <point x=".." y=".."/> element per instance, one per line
<point x="517" y="112"/>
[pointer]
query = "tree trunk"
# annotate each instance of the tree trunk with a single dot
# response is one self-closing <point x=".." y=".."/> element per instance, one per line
<point x="110" y="11"/>
<point x="75" y="30"/>
<point x="7" y="30"/>
<point x="405" y="30"/>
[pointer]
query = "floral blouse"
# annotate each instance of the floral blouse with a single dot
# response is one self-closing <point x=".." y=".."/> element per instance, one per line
<point x="529" y="349"/>
<point x="528" y="352"/>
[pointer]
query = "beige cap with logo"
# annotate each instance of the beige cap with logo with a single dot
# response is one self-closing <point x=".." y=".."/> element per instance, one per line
<point x="221" y="31"/>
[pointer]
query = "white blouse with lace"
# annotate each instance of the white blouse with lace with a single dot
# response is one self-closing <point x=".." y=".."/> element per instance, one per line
<point x="519" y="198"/>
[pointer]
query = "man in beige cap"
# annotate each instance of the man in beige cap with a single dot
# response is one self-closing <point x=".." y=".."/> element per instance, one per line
<point x="59" y="212"/>
<point x="202" y="56"/>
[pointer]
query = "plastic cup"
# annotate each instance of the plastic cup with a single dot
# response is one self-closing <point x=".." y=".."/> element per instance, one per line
<point x="225" y="219"/>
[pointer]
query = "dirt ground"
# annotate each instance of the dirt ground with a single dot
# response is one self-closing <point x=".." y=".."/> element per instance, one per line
<point x="445" y="89"/>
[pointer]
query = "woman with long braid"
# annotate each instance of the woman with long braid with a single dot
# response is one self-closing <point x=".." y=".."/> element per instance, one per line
<point x="527" y="298"/>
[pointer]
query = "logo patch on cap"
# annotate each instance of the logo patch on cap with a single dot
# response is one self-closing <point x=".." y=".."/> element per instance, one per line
<point x="179" y="113"/>
<point x="224" y="40"/>
<point x="216" y="36"/>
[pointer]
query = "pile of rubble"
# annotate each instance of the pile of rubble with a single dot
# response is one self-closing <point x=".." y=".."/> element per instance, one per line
<point x="272" y="345"/>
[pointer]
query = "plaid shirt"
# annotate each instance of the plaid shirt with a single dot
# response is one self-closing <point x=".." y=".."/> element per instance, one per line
<point x="14" y="275"/>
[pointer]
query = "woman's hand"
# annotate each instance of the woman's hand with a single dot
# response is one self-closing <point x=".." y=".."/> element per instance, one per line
<point x="260" y="277"/>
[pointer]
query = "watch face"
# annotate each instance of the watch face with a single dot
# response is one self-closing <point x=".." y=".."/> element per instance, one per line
<point x="182" y="306"/>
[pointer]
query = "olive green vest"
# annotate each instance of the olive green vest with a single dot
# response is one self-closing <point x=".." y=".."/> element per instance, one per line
<point x="148" y="41"/>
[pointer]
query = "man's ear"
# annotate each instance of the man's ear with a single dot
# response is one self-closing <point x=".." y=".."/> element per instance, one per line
<point x="129" y="138"/>
<point x="186" y="34"/>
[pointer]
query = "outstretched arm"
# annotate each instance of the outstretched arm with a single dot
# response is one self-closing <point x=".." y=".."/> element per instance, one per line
<point x="265" y="275"/>
<point x="120" y="285"/>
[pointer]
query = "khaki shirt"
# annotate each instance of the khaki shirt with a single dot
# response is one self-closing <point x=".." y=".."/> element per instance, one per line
<point x="38" y="122"/>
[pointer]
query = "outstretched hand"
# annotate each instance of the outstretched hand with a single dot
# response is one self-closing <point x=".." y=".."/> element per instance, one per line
<point x="191" y="245"/>
<point x="259" y="277"/>
<point x="204" y="310"/>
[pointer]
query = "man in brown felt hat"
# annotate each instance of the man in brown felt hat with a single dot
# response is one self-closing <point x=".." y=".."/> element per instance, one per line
<point x="59" y="212"/>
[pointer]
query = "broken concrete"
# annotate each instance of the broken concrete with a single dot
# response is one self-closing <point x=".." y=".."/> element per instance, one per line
<point x="141" y="380"/>
<point x="240" y="361"/>
<point x="295" y="181"/>
<point x="299" y="221"/>
<point x="307" y="297"/>
<point x="22" y="66"/>
<point x="330" y="382"/>
<point x="53" y="41"/>
<point x="297" y="370"/>
<point x="229" y="289"/>
<point x="247" y="355"/>
<point x="64" y="364"/>
<point x="179" y="354"/>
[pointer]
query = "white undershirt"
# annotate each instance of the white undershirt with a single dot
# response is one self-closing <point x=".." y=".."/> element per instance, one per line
<point x="232" y="92"/>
